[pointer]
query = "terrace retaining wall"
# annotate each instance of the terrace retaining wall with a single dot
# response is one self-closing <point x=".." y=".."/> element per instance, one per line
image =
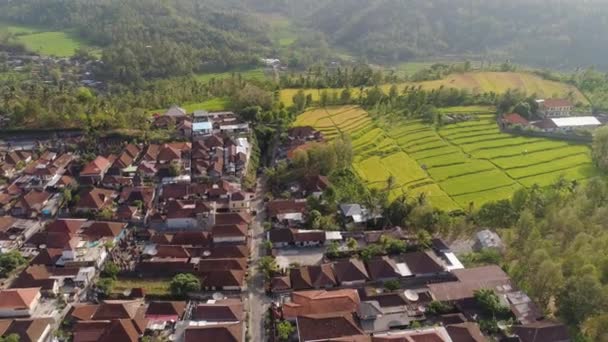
<point x="550" y="135"/>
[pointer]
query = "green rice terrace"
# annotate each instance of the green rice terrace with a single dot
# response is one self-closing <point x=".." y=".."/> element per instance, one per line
<point x="454" y="165"/>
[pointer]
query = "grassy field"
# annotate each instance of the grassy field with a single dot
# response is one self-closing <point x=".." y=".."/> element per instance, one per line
<point x="476" y="82"/>
<point x="50" y="43"/>
<point x="250" y="74"/>
<point x="151" y="286"/>
<point x="457" y="165"/>
<point x="217" y="104"/>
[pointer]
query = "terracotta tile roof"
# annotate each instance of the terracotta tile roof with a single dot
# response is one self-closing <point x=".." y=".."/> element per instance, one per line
<point x="121" y="330"/>
<point x="309" y="236"/>
<point x="209" y="265"/>
<point x="281" y="235"/>
<point x="132" y="150"/>
<point x="277" y="207"/>
<point x="50" y="239"/>
<point x="470" y="280"/>
<point x="175" y="191"/>
<point x="33" y="200"/>
<point x="307" y="277"/>
<point x="216" y="333"/>
<point x="351" y="270"/>
<point x="191" y="239"/>
<point x="89" y="331"/>
<point x="168" y="153"/>
<point x="171" y="251"/>
<point x="222" y="311"/>
<point x="96" y="167"/>
<point x="152" y="152"/>
<point x="421" y="263"/>
<point x="382" y="268"/>
<point x="321" y="301"/>
<point x="6" y="222"/>
<point x="232" y="218"/>
<point x="106" y="331"/>
<point x="104" y="229"/>
<point x="147" y="168"/>
<point x="167" y="311"/>
<point x="35" y="276"/>
<point x="229" y="230"/>
<point x="465" y="332"/>
<point x="47" y="257"/>
<point x="126" y="212"/>
<point x="18" y="299"/>
<point x="229" y="278"/>
<point x="186" y="208"/>
<point x="327" y="326"/>
<point x="280" y="283"/>
<point x="66" y="226"/>
<point x="124" y="160"/>
<point x="28" y="330"/>
<point x="95" y="199"/>
<point x="545" y="124"/>
<point x="161" y="239"/>
<point x="542" y="331"/>
<point x="83" y="311"/>
<point x="227" y="251"/>
<point x="514" y="119"/>
<point x="117" y="309"/>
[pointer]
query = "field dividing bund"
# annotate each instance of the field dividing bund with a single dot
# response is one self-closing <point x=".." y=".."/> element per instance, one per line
<point x="455" y="165"/>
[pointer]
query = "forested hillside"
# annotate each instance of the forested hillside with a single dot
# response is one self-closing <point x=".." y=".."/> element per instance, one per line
<point x="553" y="33"/>
<point x="151" y="38"/>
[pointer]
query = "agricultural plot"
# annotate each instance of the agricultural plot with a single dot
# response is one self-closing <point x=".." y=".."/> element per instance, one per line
<point x="454" y="166"/>
<point x="474" y="82"/>
<point x="49" y="43"/>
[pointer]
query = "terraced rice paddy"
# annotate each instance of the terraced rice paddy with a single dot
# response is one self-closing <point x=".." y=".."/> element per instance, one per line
<point x="456" y="165"/>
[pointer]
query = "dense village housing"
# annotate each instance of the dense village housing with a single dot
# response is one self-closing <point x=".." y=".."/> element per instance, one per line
<point x="152" y="213"/>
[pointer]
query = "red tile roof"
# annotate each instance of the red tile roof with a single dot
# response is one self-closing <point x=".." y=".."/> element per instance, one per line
<point x="220" y="279"/>
<point x="514" y="119"/>
<point x="104" y="229"/>
<point x="67" y="226"/>
<point x="229" y="310"/>
<point x="327" y="326"/>
<point x="216" y="333"/>
<point x="96" y="167"/>
<point x="96" y="199"/>
<point x="285" y="206"/>
<point x="165" y="311"/>
<point x="229" y="230"/>
<point x="321" y="301"/>
<point x="28" y="330"/>
<point x="18" y="299"/>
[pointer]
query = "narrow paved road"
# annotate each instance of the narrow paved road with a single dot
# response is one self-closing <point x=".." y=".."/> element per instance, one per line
<point x="258" y="301"/>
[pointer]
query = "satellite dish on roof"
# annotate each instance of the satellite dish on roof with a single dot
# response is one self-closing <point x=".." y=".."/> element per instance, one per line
<point x="43" y="246"/>
<point x="206" y="253"/>
<point x="127" y="292"/>
<point x="411" y="295"/>
<point x="218" y="296"/>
